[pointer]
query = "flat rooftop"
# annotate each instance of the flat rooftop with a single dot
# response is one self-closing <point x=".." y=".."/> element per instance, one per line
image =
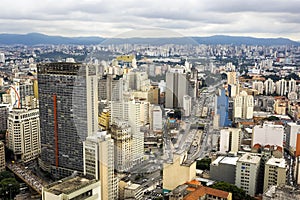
<point x="225" y="160"/>
<point x="279" y="162"/>
<point x="248" y="158"/>
<point x="69" y="185"/>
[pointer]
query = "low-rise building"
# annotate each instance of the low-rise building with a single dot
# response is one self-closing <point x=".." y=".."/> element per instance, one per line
<point x="281" y="193"/>
<point x="177" y="172"/>
<point x="223" y="169"/>
<point x="78" y="187"/>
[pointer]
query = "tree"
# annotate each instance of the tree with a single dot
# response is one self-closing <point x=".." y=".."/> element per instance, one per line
<point x="9" y="186"/>
<point x="203" y="164"/>
<point x="237" y="193"/>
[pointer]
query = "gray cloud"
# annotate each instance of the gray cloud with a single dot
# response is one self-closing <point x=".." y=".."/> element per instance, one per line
<point x="264" y="18"/>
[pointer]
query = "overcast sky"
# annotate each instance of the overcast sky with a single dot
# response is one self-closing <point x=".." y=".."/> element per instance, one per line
<point x="258" y="18"/>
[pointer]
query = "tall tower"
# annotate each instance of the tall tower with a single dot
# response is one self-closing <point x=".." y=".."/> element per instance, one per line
<point x="68" y="97"/>
<point x="177" y="87"/>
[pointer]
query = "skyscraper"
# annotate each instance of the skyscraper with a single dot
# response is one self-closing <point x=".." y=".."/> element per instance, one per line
<point x="68" y="112"/>
<point x="177" y="87"/>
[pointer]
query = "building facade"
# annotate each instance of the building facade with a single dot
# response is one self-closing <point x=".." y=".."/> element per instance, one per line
<point x="2" y="157"/>
<point x="275" y="173"/>
<point x="23" y="134"/>
<point x="98" y="158"/>
<point x="68" y="103"/>
<point x="247" y="171"/>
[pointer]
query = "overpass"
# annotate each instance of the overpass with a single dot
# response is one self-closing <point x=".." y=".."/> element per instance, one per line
<point x="27" y="176"/>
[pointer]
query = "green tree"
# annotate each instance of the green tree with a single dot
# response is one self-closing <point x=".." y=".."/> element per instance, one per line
<point x="237" y="193"/>
<point x="203" y="164"/>
<point x="9" y="186"/>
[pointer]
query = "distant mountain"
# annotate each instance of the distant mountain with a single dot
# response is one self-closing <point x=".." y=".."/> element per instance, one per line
<point x="37" y="38"/>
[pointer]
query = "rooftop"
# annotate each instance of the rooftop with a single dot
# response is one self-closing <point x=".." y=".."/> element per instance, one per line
<point x="248" y="158"/>
<point x="69" y="185"/>
<point x="225" y="160"/>
<point x="279" y="162"/>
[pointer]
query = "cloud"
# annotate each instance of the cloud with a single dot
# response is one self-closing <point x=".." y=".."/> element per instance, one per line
<point x="264" y="18"/>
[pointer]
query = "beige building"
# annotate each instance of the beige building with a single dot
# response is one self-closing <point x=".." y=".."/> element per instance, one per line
<point x="247" y="171"/>
<point x="230" y="140"/>
<point x="178" y="172"/>
<point x="2" y="157"/>
<point x="231" y="77"/>
<point x="23" y="134"/>
<point x="98" y="159"/>
<point x="133" y="191"/>
<point x="280" y="106"/>
<point x="243" y="106"/>
<point x="78" y="187"/>
<point x="121" y="134"/>
<point x="275" y="172"/>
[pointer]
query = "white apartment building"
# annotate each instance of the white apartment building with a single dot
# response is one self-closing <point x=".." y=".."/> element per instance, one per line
<point x="268" y="134"/>
<point x="247" y="170"/>
<point x="24" y="134"/>
<point x="156" y="122"/>
<point x="230" y="140"/>
<point x="243" y="106"/>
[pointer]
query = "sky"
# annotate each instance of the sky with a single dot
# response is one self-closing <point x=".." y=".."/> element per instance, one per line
<point x="111" y="18"/>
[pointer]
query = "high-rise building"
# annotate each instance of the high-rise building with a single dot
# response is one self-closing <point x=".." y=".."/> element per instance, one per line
<point x="230" y="140"/>
<point x="292" y="130"/>
<point x="68" y="103"/>
<point x="156" y="118"/>
<point x="221" y="108"/>
<point x="121" y="134"/>
<point x="231" y="77"/>
<point x="268" y="134"/>
<point x="23" y="134"/>
<point x="110" y="88"/>
<point x="3" y="117"/>
<point x="132" y="111"/>
<point x="187" y="105"/>
<point x="98" y="158"/>
<point x="2" y="157"/>
<point x="281" y="87"/>
<point x="259" y="86"/>
<point x="2" y="58"/>
<point x="154" y="95"/>
<point x="275" y="173"/>
<point x="247" y="171"/>
<point x="177" y="87"/>
<point x="269" y="86"/>
<point x="292" y="86"/>
<point x="243" y="106"/>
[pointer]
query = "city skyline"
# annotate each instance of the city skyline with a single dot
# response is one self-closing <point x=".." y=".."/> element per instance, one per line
<point x="191" y="18"/>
